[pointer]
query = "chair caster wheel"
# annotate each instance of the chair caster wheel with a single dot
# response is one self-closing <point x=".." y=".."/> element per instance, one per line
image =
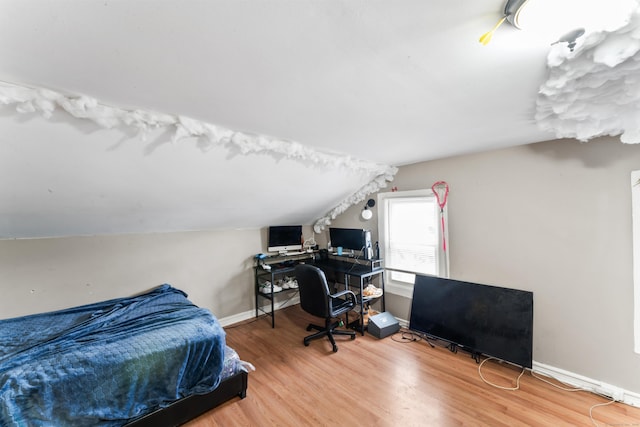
<point x="306" y="344"/>
<point x="335" y="348"/>
<point x="353" y="337"/>
<point x="309" y="328"/>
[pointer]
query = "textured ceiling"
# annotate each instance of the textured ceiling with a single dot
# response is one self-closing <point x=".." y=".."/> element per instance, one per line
<point x="388" y="83"/>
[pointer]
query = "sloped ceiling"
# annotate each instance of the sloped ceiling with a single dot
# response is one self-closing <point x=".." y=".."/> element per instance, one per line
<point x="377" y="83"/>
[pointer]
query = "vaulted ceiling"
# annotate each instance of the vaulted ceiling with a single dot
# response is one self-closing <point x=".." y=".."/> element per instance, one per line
<point x="165" y="115"/>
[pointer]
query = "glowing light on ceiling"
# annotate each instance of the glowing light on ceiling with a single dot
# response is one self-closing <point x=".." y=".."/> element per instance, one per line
<point x="555" y="17"/>
<point x="551" y="19"/>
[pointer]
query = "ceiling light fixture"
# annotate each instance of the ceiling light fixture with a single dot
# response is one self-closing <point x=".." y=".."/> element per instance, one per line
<point x="512" y="10"/>
<point x="548" y="19"/>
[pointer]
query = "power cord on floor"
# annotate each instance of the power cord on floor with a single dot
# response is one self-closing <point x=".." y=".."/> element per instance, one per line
<point x="517" y="387"/>
<point x="572" y="389"/>
<point x="597" y="405"/>
<point x="408" y="336"/>
<point x="534" y="375"/>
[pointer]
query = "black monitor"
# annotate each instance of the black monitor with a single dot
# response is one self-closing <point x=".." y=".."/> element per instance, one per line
<point x="348" y="238"/>
<point x="283" y="238"/>
<point x="483" y="319"/>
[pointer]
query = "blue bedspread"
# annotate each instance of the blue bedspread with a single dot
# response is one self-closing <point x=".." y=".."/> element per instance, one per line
<point x="105" y="363"/>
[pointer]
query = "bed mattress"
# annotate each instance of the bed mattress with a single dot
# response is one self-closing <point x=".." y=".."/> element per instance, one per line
<point x="105" y="363"/>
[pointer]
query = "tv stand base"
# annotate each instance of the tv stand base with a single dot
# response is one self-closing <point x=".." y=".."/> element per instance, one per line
<point x="453" y="348"/>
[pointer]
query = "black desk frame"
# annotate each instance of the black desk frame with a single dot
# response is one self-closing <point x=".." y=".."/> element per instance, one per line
<point x="349" y="268"/>
<point x="362" y="273"/>
<point x="271" y="274"/>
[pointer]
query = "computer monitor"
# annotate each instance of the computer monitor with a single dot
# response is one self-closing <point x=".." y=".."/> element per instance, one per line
<point x="283" y="238"/>
<point x="348" y="238"/>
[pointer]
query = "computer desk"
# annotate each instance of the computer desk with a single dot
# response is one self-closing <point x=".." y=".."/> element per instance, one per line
<point x="362" y="273"/>
<point x="341" y="268"/>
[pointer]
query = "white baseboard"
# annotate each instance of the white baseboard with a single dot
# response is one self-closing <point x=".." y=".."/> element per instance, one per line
<point x="236" y="318"/>
<point x="589" y="384"/>
<point x="241" y="317"/>
<point x="403" y="323"/>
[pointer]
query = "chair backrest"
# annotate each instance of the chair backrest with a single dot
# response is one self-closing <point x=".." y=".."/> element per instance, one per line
<point x="314" y="290"/>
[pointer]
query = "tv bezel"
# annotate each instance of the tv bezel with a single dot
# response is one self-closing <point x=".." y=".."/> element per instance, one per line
<point x="283" y="246"/>
<point x="487" y="349"/>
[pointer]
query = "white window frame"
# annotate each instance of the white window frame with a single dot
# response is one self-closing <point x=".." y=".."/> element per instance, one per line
<point x="635" y="213"/>
<point x="403" y="288"/>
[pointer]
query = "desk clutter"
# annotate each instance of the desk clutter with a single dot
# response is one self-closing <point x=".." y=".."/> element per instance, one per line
<point x="372" y="292"/>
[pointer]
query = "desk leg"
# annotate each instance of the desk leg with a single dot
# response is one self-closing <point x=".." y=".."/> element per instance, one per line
<point x="273" y="313"/>
<point x="346" y="288"/>
<point x="256" y="289"/>
<point x="362" y="305"/>
<point x="383" y="291"/>
<point x="360" y="300"/>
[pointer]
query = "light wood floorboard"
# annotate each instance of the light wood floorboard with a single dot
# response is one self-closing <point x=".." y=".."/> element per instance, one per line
<point x="388" y="382"/>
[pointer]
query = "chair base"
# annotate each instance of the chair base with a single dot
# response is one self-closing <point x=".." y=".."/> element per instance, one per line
<point x="329" y="330"/>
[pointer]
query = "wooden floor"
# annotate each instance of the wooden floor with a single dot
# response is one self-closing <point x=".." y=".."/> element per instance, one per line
<point x="388" y="382"/>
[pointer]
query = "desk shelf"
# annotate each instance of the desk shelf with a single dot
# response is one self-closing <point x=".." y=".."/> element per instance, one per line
<point x="271" y="275"/>
<point x="358" y="287"/>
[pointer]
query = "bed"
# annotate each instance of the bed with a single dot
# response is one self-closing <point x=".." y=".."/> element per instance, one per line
<point x="152" y="359"/>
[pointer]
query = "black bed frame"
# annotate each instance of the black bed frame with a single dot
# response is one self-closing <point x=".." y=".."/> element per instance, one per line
<point x="190" y="407"/>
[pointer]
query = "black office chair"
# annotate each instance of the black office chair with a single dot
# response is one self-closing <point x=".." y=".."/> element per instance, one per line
<point x="316" y="300"/>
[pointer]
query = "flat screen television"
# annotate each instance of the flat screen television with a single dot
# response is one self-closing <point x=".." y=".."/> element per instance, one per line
<point x="284" y="238"/>
<point x="482" y="319"/>
<point x="348" y="238"/>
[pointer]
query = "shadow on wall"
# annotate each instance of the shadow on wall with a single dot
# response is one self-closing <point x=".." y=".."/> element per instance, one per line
<point x="604" y="152"/>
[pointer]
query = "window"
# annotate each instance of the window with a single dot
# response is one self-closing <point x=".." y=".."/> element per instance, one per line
<point x="411" y="238"/>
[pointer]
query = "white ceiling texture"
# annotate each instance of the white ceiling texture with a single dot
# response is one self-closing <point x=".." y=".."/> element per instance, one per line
<point x="125" y="116"/>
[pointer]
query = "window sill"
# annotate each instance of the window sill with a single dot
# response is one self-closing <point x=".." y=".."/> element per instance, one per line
<point x="399" y="288"/>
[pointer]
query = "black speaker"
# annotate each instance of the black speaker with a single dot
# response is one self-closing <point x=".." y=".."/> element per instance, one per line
<point x="383" y="324"/>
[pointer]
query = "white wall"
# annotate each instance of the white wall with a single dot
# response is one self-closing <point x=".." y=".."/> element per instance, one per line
<point x="214" y="268"/>
<point x="553" y="218"/>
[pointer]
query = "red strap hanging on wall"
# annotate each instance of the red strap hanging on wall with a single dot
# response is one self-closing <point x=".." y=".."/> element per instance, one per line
<point x="441" y="190"/>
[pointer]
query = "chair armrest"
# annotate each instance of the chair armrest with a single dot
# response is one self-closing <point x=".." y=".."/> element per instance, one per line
<point x="350" y="295"/>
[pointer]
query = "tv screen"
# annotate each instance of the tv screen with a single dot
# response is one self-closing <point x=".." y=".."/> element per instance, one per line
<point x="347" y="238"/>
<point x="484" y="319"/>
<point x="283" y="238"/>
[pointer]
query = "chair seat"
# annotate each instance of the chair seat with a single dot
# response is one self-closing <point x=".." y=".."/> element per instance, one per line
<point x="341" y="307"/>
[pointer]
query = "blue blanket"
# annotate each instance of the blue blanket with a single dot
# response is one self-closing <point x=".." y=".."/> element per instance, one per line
<point x="105" y="363"/>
